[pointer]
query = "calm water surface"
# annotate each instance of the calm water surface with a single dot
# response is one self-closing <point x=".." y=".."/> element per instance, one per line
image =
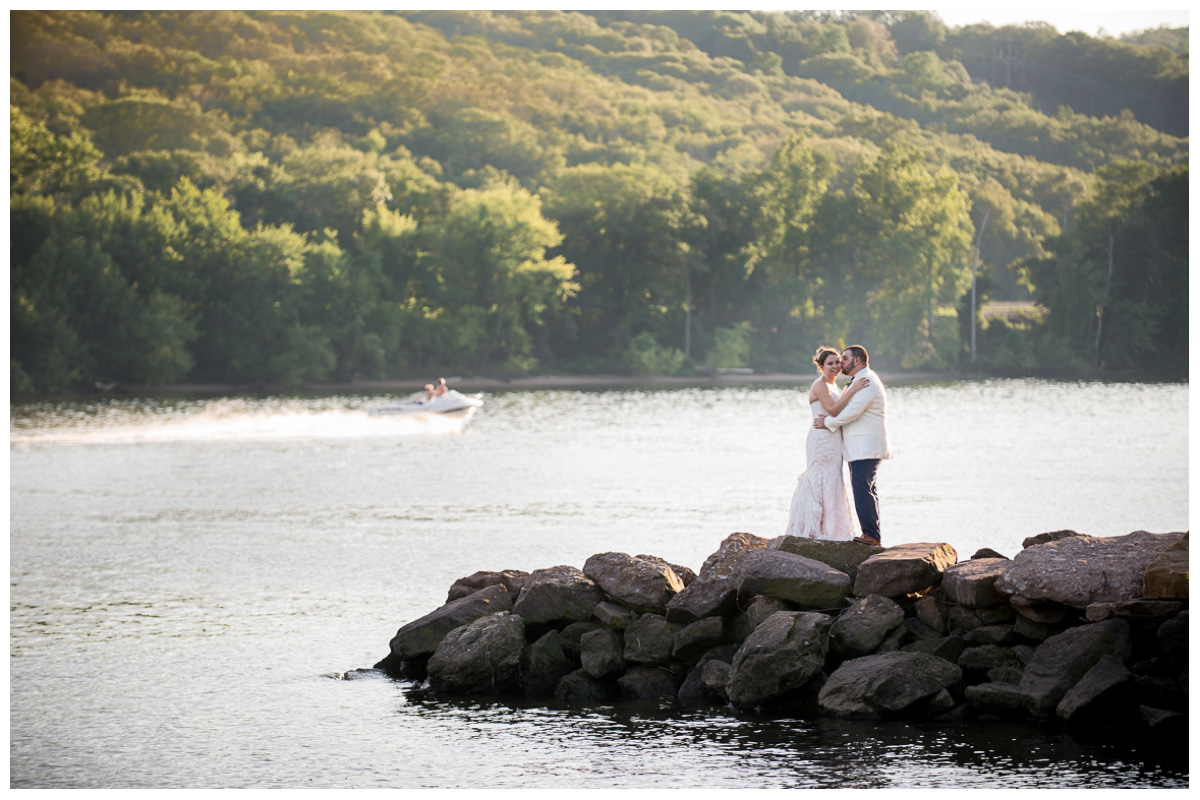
<point x="185" y="574"/>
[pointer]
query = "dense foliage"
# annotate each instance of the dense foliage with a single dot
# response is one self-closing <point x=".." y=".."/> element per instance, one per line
<point x="289" y="197"/>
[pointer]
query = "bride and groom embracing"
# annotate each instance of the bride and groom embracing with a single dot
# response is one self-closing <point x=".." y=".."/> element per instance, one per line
<point x="849" y="425"/>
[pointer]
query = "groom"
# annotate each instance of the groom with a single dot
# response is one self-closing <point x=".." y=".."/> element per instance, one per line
<point x="864" y="439"/>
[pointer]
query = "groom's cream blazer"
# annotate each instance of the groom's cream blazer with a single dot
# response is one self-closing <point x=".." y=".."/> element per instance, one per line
<point x="864" y="422"/>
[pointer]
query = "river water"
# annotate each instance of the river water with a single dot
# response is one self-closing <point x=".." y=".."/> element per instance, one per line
<point x="187" y="574"/>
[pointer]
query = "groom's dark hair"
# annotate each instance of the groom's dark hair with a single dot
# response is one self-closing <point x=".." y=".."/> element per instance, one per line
<point x="860" y="352"/>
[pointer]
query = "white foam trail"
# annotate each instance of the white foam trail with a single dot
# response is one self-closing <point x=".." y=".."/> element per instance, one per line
<point x="232" y="421"/>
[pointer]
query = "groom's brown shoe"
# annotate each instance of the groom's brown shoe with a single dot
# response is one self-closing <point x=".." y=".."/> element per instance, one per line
<point x="868" y="540"/>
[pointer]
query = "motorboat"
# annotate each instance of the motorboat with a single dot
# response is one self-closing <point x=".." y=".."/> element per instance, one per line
<point x="419" y="403"/>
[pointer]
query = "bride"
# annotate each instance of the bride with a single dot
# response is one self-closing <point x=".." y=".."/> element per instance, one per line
<point x="820" y="505"/>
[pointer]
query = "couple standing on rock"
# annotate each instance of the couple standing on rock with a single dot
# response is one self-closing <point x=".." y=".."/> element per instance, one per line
<point x="847" y="425"/>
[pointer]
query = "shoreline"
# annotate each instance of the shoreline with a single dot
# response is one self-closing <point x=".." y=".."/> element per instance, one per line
<point x="596" y="382"/>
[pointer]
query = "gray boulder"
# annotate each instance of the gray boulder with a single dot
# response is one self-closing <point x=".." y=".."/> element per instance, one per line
<point x="1062" y="660"/>
<point x="999" y="698"/>
<point x="601" y="652"/>
<point x="1173" y="640"/>
<point x="650" y="640"/>
<point x="949" y="647"/>
<point x="571" y="637"/>
<point x="420" y="638"/>
<point x="579" y="687"/>
<point x="647" y="682"/>
<point x="895" y="684"/>
<point x="991" y="634"/>
<point x="842" y="556"/>
<point x="1166" y="577"/>
<point x="1143" y="611"/>
<point x="641" y="583"/>
<point x="929" y="611"/>
<point x="1043" y="613"/>
<point x="715" y="676"/>
<point x="482" y="657"/>
<point x="763" y="607"/>
<point x="713" y="591"/>
<point x="543" y="665"/>
<point x="1105" y="694"/>
<point x="683" y="573"/>
<point x="511" y="578"/>
<point x="973" y="583"/>
<point x="693" y="641"/>
<point x="986" y="657"/>
<point x="781" y="655"/>
<point x="904" y="569"/>
<point x="987" y="552"/>
<point x="800" y="580"/>
<point x="1080" y="570"/>
<point x="860" y="629"/>
<point x="614" y="615"/>
<point x="1044" y="538"/>
<point x="557" y="594"/>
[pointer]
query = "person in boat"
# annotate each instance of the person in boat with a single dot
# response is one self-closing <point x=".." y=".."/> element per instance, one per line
<point x="441" y="389"/>
<point x="430" y="393"/>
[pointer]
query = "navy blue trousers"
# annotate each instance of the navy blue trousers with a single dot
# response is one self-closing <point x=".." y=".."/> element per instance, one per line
<point x="866" y="496"/>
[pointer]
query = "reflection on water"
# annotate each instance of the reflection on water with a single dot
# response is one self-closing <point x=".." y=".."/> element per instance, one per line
<point x="184" y="571"/>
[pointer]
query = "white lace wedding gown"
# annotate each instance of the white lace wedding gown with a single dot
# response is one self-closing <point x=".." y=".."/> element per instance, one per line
<point x="821" y="507"/>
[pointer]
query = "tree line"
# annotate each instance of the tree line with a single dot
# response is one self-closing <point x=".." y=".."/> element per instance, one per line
<point x="296" y="197"/>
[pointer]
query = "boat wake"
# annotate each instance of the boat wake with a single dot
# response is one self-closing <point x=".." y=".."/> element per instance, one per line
<point x="230" y="420"/>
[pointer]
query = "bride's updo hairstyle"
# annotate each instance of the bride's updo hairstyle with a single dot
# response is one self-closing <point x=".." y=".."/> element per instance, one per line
<point x="822" y="354"/>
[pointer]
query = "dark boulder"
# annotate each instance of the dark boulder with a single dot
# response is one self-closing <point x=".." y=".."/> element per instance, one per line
<point x="904" y="569"/>
<point x="713" y="592"/>
<point x="1080" y="570"/>
<point x="781" y="655"/>
<point x="799" y="580"/>
<point x="512" y="579"/>
<point x="889" y="685"/>
<point x="556" y="595"/>
<point x="417" y="640"/>
<point x="1105" y="695"/>
<point x="973" y="583"/>
<point x="860" y="629"/>
<point x="636" y="582"/>
<point x="482" y="657"/>
<point x="601" y="652"/>
<point x="842" y="556"/>
<point x="646" y="682"/>
<point x="1062" y="660"/>
<point x="650" y="640"/>
<point x="579" y="687"/>
<point x="694" y="640"/>
<point x="543" y="665"/>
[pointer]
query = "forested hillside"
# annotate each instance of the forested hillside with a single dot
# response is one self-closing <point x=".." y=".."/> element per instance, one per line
<point x="288" y="197"/>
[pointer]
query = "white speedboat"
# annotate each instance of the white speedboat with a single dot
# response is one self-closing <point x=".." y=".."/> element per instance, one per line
<point x="417" y="403"/>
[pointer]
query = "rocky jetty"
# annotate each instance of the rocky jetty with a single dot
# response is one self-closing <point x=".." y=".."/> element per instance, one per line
<point x="1075" y="630"/>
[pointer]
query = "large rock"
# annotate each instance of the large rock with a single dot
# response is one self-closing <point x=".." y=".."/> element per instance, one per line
<point x="904" y="569"/>
<point x="998" y="699"/>
<point x="860" y="629"/>
<point x="1043" y="538"/>
<point x="1062" y="660"/>
<point x="1105" y="694"/>
<point x="571" y="637"/>
<point x="683" y="573"/>
<point x="842" y="556"/>
<point x="557" y="594"/>
<point x="420" y="638"/>
<point x="781" y="655"/>
<point x="614" y="615"/>
<point x="511" y="578"/>
<point x="895" y="684"/>
<point x="640" y="583"/>
<point x="482" y="657"/>
<point x="693" y="641"/>
<point x="800" y="580"/>
<point x="579" y="687"/>
<point x="650" y="640"/>
<point x="713" y="591"/>
<point x="602" y="653"/>
<point x="949" y="647"/>
<point x="763" y="607"/>
<point x="543" y="665"/>
<point x="1080" y="570"/>
<point x="973" y="583"/>
<point x="646" y="682"/>
<point x="1166" y="578"/>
